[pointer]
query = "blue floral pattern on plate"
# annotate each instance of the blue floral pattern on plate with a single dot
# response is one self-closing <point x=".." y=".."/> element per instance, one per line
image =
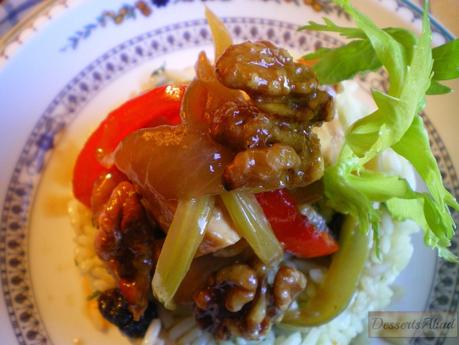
<point x="14" y="271"/>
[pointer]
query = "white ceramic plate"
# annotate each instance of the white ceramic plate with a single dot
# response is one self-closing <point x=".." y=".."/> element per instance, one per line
<point x="65" y="68"/>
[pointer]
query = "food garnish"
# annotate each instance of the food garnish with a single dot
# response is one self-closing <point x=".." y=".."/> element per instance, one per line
<point x="349" y="186"/>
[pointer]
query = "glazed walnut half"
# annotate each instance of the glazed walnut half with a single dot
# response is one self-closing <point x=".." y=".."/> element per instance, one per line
<point x="239" y="300"/>
<point x="125" y="240"/>
<point x="274" y="81"/>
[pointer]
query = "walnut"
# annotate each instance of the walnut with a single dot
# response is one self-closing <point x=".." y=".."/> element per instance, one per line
<point x="240" y="301"/>
<point x="241" y="126"/>
<point x="274" y="81"/>
<point x="125" y="241"/>
<point x="267" y="167"/>
<point x="243" y="283"/>
<point x="258" y="317"/>
<point x="240" y="285"/>
<point x="261" y="67"/>
<point x="103" y="188"/>
<point x="288" y="283"/>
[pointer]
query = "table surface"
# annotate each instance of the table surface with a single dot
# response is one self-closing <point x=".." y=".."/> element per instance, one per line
<point x="447" y="12"/>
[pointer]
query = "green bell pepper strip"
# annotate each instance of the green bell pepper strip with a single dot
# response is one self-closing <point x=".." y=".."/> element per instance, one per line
<point x="340" y="283"/>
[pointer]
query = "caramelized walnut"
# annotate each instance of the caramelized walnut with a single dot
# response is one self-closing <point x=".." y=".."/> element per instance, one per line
<point x="314" y="108"/>
<point x="277" y="166"/>
<point x="274" y="81"/>
<point x="244" y="285"/>
<point x="103" y="188"/>
<point x="269" y="167"/>
<point x="261" y="67"/>
<point x="125" y="242"/>
<point x="239" y="300"/>
<point x="242" y="281"/>
<point x="288" y="283"/>
<point x="240" y="126"/>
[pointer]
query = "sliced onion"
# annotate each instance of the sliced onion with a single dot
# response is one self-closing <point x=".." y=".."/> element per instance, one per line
<point x="205" y="94"/>
<point x="222" y="38"/>
<point x="175" y="162"/>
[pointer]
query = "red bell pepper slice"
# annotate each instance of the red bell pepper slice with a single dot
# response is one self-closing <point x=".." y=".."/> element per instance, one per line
<point x="294" y="230"/>
<point x="156" y="107"/>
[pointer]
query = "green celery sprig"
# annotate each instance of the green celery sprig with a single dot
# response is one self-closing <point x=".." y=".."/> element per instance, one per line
<point x="358" y="56"/>
<point x="409" y="61"/>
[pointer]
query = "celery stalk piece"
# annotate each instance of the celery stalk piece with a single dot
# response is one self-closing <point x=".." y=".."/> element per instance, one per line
<point x="251" y="223"/>
<point x="182" y="241"/>
<point x="340" y="282"/>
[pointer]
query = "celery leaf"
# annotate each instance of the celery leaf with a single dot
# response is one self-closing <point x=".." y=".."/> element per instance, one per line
<point x="446" y="61"/>
<point x="437" y="88"/>
<point x="349" y="186"/>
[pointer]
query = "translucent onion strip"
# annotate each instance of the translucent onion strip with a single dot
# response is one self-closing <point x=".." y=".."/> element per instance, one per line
<point x="182" y="241"/>
<point x="251" y="223"/>
<point x="220" y="34"/>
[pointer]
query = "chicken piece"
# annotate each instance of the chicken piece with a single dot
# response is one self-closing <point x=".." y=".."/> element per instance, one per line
<point x="220" y="231"/>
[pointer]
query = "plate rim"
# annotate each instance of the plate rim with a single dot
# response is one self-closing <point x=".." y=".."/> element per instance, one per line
<point x="10" y="183"/>
<point x="47" y="12"/>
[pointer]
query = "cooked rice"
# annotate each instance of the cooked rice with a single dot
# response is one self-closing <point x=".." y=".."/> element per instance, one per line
<point x="374" y="291"/>
<point x="90" y="266"/>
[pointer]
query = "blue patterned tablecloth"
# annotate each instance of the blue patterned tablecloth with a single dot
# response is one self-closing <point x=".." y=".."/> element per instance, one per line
<point x="11" y="12"/>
